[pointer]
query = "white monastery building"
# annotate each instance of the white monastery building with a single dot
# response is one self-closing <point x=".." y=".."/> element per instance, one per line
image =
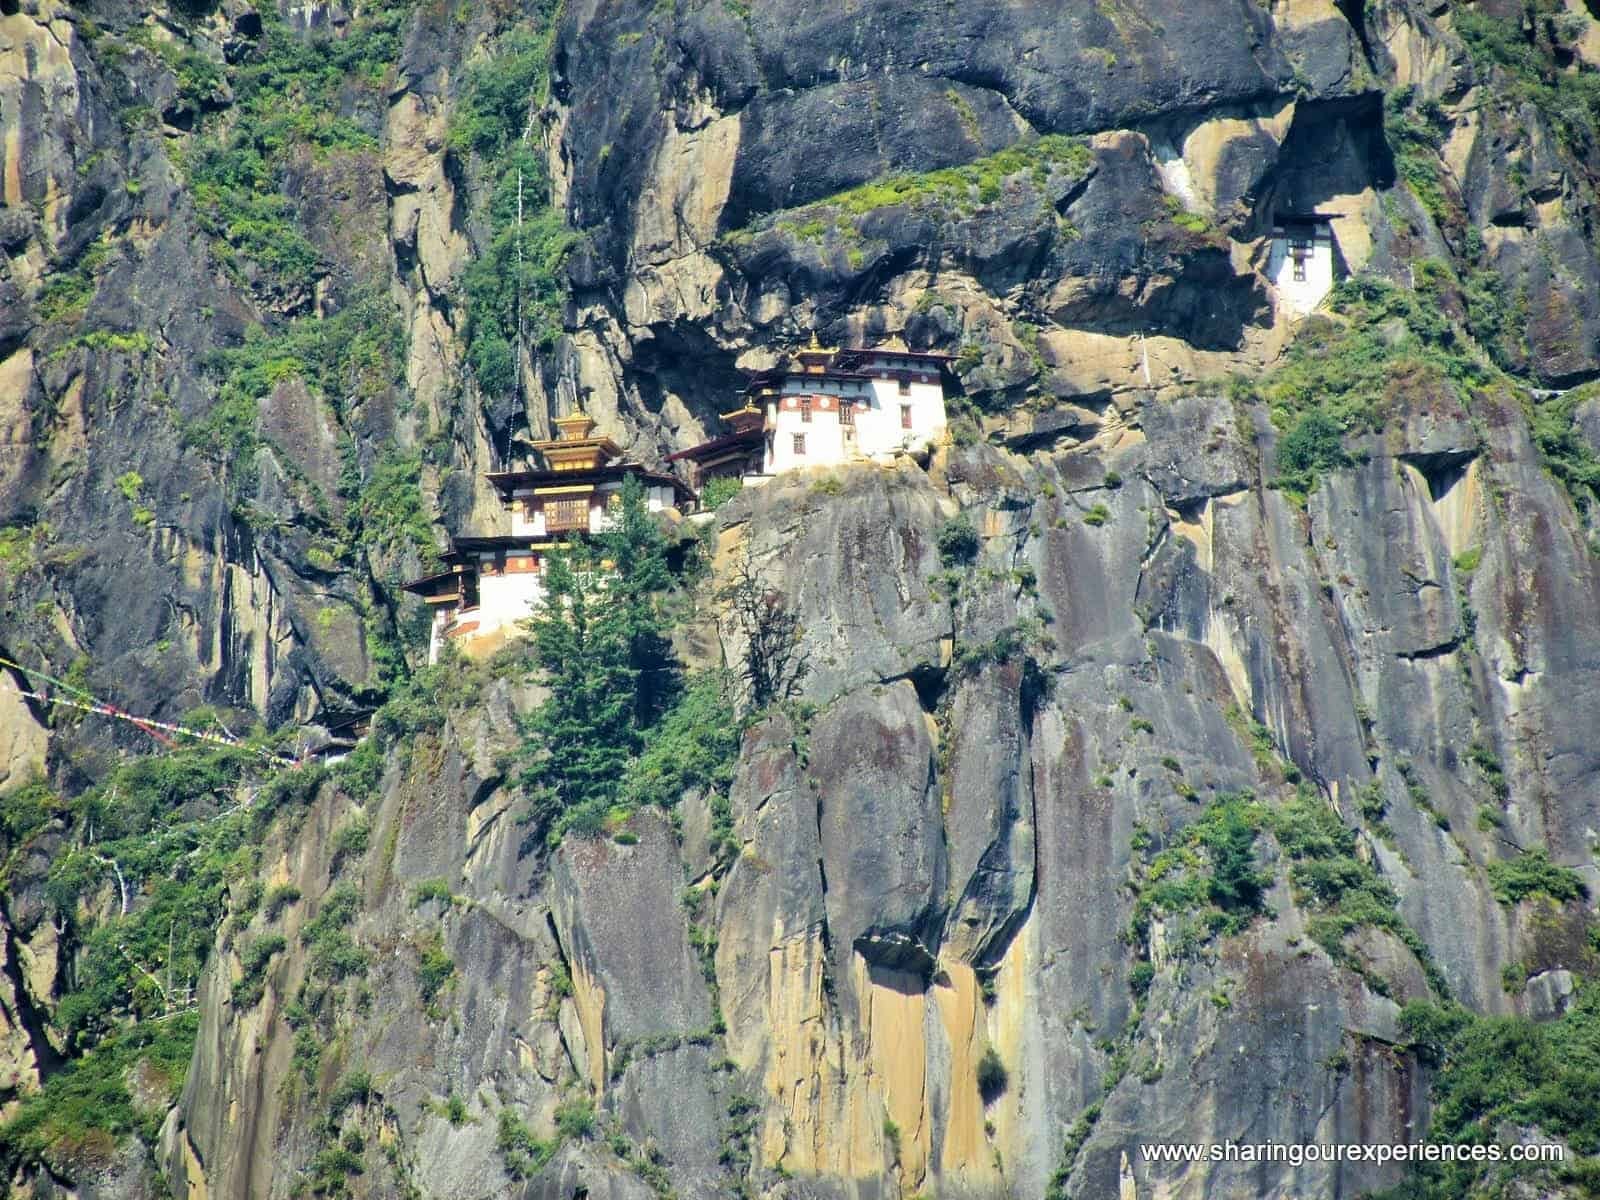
<point x="822" y="407"/>
<point x="818" y="408"/>
<point x="490" y="584"/>
<point x="1301" y="262"/>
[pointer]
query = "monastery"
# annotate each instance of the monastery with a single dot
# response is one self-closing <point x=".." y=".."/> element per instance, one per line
<point x="823" y="407"/>
<point x="490" y="584"/>
<point x="1301" y="262"/>
<point x="819" y="408"/>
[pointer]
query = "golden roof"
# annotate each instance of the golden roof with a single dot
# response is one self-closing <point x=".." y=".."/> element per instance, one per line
<point x="573" y="449"/>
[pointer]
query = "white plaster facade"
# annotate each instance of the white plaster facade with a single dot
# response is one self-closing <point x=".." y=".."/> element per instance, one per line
<point x="887" y="404"/>
<point x="1300" y="264"/>
<point x="508" y="588"/>
<point x="529" y="506"/>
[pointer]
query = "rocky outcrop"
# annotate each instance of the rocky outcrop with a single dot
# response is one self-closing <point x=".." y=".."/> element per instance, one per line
<point x="935" y="863"/>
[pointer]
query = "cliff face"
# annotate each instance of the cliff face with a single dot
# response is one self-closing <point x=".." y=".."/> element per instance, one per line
<point x="960" y="924"/>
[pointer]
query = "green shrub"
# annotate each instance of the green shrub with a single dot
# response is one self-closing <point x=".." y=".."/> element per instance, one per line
<point x="253" y="962"/>
<point x="1313" y="445"/>
<point x="992" y="1076"/>
<point x="435" y="970"/>
<point x="695" y="747"/>
<point x="334" y="956"/>
<point x="964" y="188"/>
<point x="307" y="1055"/>
<point x="1210" y="873"/>
<point x="1345" y="377"/>
<point x="719" y="491"/>
<point x="1097" y="515"/>
<point x="522" y="1153"/>
<point x="1565" y="452"/>
<point x="86" y="1103"/>
<point x="1531" y="873"/>
<point x="350" y="840"/>
<point x="1569" y="99"/>
<point x="355" y="1088"/>
<point x="278" y="899"/>
<point x="431" y="890"/>
<point x="25" y="810"/>
<point x="575" y="1118"/>
<point x="1488" y="764"/>
<point x="1497" y="1073"/>
<point x="957" y="541"/>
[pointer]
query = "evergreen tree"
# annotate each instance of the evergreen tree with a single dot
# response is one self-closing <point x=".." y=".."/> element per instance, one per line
<point x="583" y="735"/>
<point x="635" y="548"/>
<point x="600" y="645"/>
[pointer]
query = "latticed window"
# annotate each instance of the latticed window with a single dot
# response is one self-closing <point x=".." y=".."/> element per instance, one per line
<point x="799" y="443"/>
<point x="805" y="409"/>
<point x="566" y="514"/>
<point x="905" y="416"/>
<point x="847" y="413"/>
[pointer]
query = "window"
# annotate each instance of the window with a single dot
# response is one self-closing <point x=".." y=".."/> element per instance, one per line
<point x="1299" y="270"/>
<point x="799" y="444"/>
<point x="847" y="413"/>
<point x="566" y="514"/>
<point x="905" y="385"/>
<point x="905" y="416"/>
<point x="805" y="409"/>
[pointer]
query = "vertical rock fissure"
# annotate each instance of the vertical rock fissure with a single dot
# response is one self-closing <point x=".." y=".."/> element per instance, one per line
<point x="561" y="952"/>
<point x="27" y="1015"/>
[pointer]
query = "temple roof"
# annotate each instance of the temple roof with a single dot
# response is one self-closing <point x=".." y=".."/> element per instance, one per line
<point x="745" y="437"/>
<point x="506" y="482"/>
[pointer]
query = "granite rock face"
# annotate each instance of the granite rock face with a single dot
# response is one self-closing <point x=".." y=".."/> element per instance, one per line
<point x="933" y="862"/>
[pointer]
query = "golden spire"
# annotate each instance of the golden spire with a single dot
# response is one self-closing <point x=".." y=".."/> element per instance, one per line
<point x="574" y="427"/>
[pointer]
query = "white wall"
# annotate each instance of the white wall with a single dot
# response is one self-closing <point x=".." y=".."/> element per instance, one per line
<point x="506" y="599"/>
<point x="1295" y="296"/>
<point x="825" y="441"/>
<point x="657" y="498"/>
<point x="882" y="431"/>
<point x="877" y="430"/>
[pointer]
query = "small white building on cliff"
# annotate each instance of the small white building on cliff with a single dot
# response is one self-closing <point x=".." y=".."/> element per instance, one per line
<point x="1302" y="260"/>
<point x="821" y="407"/>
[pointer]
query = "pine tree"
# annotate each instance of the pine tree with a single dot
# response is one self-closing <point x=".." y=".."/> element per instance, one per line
<point x="600" y="645"/>
<point x="636" y="548"/>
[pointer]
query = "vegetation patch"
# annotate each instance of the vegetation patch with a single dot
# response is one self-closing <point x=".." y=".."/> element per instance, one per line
<point x="957" y="541"/>
<point x="1564" y="450"/>
<point x="515" y="287"/>
<point x="719" y="491"/>
<point x="85" y="1109"/>
<point x="1342" y="892"/>
<point x="1351" y="375"/>
<point x="1531" y="873"/>
<point x="1208" y="882"/>
<point x="623" y="725"/>
<point x="1499" y="1076"/>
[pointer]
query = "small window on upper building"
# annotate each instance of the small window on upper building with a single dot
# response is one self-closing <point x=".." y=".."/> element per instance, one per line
<point x="905" y="385"/>
<point x="905" y="416"/>
<point x="805" y="408"/>
<point x="847" y="413"/>
<point x="799" y="444"/>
